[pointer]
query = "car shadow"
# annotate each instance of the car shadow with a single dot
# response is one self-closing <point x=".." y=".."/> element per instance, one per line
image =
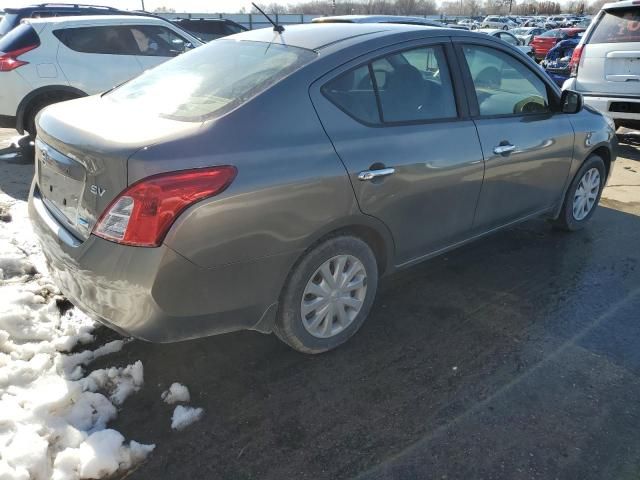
<point x="629" y="145"/>
<point x="16" y="167"/>
<point x="443" y="339"/>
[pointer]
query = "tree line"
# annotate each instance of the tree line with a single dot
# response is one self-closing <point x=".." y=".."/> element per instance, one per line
<point x="429" y="7"/>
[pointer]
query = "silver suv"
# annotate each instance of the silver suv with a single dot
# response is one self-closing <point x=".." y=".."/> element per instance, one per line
<point x="605" y="66"/>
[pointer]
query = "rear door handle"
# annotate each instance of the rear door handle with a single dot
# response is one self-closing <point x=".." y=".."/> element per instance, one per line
<point x="371" y="174"/>
<point x="503" y="149"/>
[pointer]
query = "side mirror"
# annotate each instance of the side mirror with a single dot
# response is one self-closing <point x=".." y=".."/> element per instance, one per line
<point x="571" y="102"/>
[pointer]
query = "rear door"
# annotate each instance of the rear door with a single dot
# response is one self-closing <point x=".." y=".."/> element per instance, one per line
<point x="407" y="142"/>
<point x="527" y="146"/>
<point x="610" y="62"/>
<point x="95" y="59"/>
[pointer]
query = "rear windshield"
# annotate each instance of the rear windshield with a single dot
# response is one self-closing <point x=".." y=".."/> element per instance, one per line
<point x="8" y="22"/>
<point x="20" y="37"/>
<point x="617" y="26"/>
<point x="210" y="80"/>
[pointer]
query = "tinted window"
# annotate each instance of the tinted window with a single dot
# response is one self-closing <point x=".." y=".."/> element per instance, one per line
<point x="20" y="37"/>
<point x="212" y="79"/>
<point x="503" y="85"/>
<point x="353" y="92"/>
<point x="155" y="41"/>
<point x="418" y="86"/>
<point x="103" y="40"/>
<point x="233" y="28"/>
<point x="618" y="25"/>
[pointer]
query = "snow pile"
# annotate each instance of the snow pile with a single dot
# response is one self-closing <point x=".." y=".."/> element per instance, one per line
<point x="53" y="416"/>
<point x="185" y="416"/>
<point x="176" y="393"/>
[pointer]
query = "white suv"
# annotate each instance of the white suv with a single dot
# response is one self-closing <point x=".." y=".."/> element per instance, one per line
<point x="49" y="60"/>
<point x="605" y="66"/>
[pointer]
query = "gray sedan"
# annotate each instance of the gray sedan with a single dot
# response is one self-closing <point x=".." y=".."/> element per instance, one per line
<point x="266" y="181"/>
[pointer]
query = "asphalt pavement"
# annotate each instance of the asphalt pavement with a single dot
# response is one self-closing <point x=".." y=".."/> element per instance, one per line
<point x="515" y="357"/>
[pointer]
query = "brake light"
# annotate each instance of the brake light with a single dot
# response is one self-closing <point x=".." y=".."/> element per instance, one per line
<point x="143" y="213"/>
<point x="574" y="63"/>
<point x="9" y="60"/>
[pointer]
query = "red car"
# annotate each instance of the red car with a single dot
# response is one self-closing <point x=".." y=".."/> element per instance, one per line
<point x="541" y="44"/>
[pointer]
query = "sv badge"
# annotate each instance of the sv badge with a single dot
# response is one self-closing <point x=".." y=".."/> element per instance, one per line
<point x="96" y="190"/>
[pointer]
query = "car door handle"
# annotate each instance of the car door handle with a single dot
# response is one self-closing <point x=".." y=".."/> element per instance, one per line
<point x="371" y="174"/>
<point x="503" y="149"/>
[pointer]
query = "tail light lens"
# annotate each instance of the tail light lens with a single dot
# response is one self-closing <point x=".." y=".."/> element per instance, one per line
<point x="574" y="63"/>
<point x="9" y="60"/>
<point x="143" y="213"/>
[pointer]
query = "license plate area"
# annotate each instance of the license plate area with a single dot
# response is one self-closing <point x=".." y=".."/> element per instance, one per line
<point x="61" y="181"/>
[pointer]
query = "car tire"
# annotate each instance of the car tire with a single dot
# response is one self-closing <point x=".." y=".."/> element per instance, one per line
<point x="312" y="317"/>
<point x="505" y="27"/>
<point x="38" y="105"/>
<point x="573" y="218"/>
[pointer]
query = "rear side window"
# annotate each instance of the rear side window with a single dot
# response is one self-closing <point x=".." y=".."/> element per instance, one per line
<point x="353" y="93"/>
<point x="20" y="37"/>
<point x="618" y="26"/>
<point x="111" y="40"/>
<point x="410" y="86"/>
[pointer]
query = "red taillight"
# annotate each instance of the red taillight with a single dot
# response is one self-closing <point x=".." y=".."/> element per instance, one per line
<point x="9" y="60"/>
<point x="143" y="213"/>
<point x="574" y="63"/>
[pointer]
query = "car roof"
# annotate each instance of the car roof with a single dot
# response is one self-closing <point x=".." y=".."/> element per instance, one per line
<point x="88" y="19"/>
<point x="372" y="19"/>
<point x="316" y="36"/>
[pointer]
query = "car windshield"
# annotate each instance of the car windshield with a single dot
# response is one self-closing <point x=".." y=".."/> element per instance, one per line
<point x="7" y="23"/>
<point x="617" y="26"/>
<point x="210" y="80"/>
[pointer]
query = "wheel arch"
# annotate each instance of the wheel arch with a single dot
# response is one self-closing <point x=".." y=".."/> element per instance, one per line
<point x="32" y="97"/>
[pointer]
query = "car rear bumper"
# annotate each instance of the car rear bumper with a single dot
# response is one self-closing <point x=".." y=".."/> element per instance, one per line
<point x="617" y="108"/>
<point x="154" y="294"/>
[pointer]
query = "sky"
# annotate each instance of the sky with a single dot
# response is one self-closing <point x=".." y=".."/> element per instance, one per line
<point x="194" y="6"/>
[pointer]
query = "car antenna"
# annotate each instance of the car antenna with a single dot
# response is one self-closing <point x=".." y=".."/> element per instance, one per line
<point x="276" y="27"/>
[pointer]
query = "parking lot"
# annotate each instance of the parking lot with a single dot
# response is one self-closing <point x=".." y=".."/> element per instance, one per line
<point x="514" y="357"/>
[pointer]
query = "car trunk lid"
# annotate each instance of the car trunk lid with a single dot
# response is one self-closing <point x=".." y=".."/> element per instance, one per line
<point x="82" y="151"/>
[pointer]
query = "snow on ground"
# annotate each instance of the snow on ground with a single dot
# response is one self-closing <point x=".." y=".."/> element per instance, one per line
<point x="53" y="415"/>
<point x="176" y="393"/>
<point x="185" y="416"/>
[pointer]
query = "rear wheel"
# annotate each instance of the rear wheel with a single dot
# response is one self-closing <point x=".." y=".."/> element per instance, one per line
<point x="583" y="195"/>
<point x="328" y="295"/>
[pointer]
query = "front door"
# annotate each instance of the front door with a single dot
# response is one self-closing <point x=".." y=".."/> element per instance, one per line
<point x="527" y="144"/>
<point x="413" y="156"/>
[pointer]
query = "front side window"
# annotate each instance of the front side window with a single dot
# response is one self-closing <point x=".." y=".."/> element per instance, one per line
<point x="156" y="41"/>
<point x="503" y="85"/>
<point x="617" y="26"/>
<point x="411" y="86"/>
<point x="212" y="79"/>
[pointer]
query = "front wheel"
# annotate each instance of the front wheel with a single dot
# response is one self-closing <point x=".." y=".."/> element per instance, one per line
<point x="328" y="295"/>
<point x="583" y="195"/>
